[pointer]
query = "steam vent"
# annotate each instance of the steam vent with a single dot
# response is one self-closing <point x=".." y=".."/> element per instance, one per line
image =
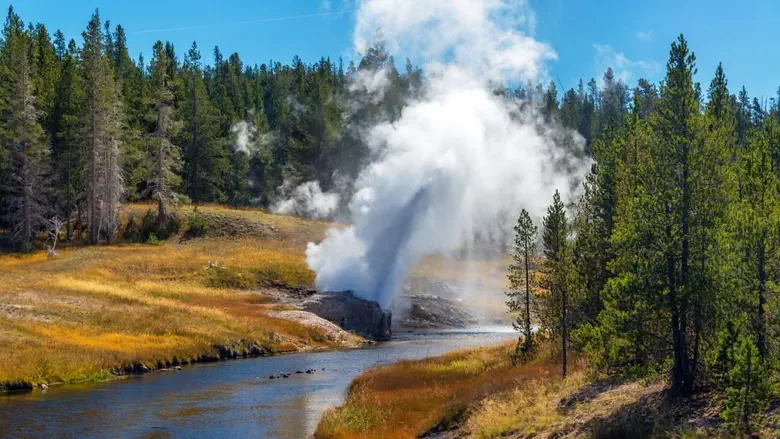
<point x="364" y="317"/>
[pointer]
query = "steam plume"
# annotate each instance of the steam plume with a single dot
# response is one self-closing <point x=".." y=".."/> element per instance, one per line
<point x="308" y="201"/>
<point x="456" y="157"/>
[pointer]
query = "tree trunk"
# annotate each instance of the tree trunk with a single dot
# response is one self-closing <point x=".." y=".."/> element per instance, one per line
<point x="564" y="328"/>
<point x="688" y="379"/>
<point x="527" y="302"/>
<point x="194" y="183"/>
<point x="678" y="337"/>
<point x="26" y="183"/>
<point x="762" y="289"/>
<point x="94" y="217"/>
<point x="161" y="190"/>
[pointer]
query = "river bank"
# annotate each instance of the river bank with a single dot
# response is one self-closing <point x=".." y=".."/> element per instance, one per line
<point x="228" y="399"/>
<point x="479" y="393"/>
<point x="97" y="312"/>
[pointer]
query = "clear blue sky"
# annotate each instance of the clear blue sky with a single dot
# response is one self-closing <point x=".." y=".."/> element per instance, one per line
<point x="631" y="36"/>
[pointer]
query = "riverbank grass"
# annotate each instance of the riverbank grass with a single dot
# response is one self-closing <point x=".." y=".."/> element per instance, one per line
<point x="479" y="393"/>
<point x="406" y="399"/>
<point x="95" y="309"/>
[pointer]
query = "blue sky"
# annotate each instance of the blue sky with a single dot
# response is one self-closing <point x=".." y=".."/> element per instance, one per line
<point x="633" y="37"/>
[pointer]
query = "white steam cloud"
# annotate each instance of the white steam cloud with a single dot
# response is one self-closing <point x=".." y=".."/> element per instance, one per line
<point x="458" y="157"/>
<point x="245" y="137"/>
<point x="309" y="201"/>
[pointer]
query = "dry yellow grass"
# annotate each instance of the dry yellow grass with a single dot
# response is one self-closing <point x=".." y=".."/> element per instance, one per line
<point x="479" y="394"/>
<point x="408" y="398"/>
<point x="92" y="309"/>
<point x="528" y="410"/>
<point x="97" y="308"/>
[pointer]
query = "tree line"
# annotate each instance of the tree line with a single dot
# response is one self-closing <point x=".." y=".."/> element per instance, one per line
<point x="669" y="262"/>
<point x="85" y="127"/>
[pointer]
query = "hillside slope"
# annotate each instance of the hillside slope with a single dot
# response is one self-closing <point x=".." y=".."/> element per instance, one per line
<point x="95" y="312"/>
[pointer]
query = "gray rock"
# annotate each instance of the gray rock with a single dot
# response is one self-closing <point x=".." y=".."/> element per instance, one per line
<point x="364" y="317"/>
<point x="428" y="311"/>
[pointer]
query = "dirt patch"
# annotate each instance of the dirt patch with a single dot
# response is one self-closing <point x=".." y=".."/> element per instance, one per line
<point x="611" y="409"/>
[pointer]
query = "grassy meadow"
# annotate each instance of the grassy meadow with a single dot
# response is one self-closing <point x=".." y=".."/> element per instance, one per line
<point x="95" y="309"/>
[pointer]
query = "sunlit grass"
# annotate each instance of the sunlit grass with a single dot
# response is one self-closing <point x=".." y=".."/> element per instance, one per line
<point x="91" y="309"/>
<point x="406" y="399"/>
<point x="525" y="411"/>
<point x="95" y="308"/>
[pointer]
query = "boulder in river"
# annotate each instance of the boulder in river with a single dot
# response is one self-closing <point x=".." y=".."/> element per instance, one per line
<point x="364" y="317"/>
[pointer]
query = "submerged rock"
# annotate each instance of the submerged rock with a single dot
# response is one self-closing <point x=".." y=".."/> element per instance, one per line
<point x="364" y="317"/>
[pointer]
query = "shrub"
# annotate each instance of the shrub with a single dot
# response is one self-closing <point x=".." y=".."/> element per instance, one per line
<point x="26" y="247"/>
<point x="132" y="232"/>
<point x="171" y="227"/>
<point x="748" y="393"/>
<point x="152" y="239"/>
<point x="150" y="226"/>
<point x="197" y="226"/>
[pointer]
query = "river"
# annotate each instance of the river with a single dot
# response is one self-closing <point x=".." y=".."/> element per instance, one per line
<point x="229" y="399"/>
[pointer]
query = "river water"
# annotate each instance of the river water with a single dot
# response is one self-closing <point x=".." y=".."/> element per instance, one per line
<point x="230" y="399"/>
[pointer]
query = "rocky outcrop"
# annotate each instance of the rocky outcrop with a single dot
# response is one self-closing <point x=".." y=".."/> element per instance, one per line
<point x="428" y="311"/>
<point x="364" y="317"/>
<point x="332" y="331"/>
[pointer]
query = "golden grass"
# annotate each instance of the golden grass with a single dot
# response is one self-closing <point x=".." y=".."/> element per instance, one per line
<point x="525" y="411"/>
<point x="95" y="308"/>
<point x="91" y="309"/>
<point x="408" y="398"/>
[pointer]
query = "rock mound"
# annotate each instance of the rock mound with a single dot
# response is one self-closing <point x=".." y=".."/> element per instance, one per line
<point x="429" y="311"/>
<point x="364" y="317"/>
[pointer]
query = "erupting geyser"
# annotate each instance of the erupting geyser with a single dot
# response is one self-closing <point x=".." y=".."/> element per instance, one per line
<point x="457" y="156"/>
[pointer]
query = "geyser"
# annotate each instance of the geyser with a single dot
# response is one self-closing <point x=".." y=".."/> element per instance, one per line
<point x="457" y="156"/>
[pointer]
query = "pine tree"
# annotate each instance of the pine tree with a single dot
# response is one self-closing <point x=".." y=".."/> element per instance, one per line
<point x="520" y="278"/>
<point x="22" y="133"/>
<point x="104" y="121"/>
<point x="744" y="123"/>
<point x="47" y="71"/>
<point x="550" y="103"/>
<point x="165" y="157"/>
<point x="556" y="273"/>
<point x="204" y="160"/>
<point x="719" y="100"/>
<point x="749" y="241"/>
<point x="68" y="134"/>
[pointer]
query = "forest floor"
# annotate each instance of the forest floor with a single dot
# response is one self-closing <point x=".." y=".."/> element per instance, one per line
<point x="479" y="393"/>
